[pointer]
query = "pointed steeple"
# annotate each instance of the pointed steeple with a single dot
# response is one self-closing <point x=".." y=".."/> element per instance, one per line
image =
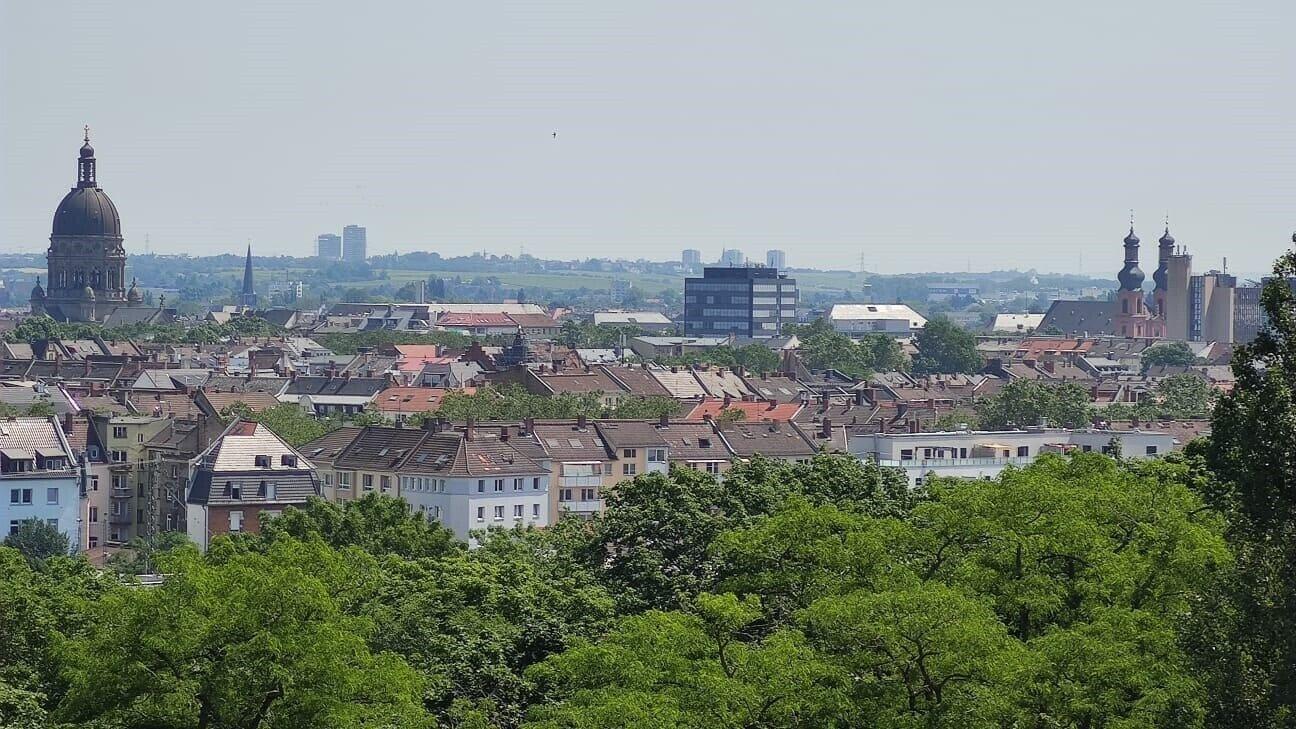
<point x="249" y="296"/>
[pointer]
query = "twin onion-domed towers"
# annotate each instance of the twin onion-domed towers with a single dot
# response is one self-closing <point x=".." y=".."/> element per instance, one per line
<point x="86" y="260"/>
<point x="1135" y="315"/>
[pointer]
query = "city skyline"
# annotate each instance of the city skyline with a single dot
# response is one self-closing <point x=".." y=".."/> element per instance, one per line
<point x="589" y="132"/>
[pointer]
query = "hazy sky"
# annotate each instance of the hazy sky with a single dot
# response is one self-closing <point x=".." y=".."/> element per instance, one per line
<point x="928" y="136"/>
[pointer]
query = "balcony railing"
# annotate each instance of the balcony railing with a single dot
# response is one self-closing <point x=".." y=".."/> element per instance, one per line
<point x="957" y="462"/>
<point x="119" y="519"/>
<point x="582" y="507"/>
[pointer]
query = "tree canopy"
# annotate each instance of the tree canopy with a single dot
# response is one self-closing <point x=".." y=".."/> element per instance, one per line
<point x="945" y="348"/>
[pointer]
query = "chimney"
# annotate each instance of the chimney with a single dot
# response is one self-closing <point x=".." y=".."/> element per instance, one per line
<point x="67" y="422"/>
<point x="915" y="426"/>
<point x="1029" y="363"/>
<point x="727" y="400"/>
<point x="1048" y="366"/>
<point x="581" y="422"/>
<point x="859" y="397"/>
<point x="528" y="426"/>
<point x="663" y="421"/>
<point x="469" y="428"/>
<point x="504" y="434"/>
<point x="825" y="430"/>
<point x="430" y="425"/>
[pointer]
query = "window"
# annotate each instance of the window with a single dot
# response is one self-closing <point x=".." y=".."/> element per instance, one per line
<point x="51" y="496"/>
<point x="629" y="453"/>
<point x="589" y="495"/>
<point x="481" y="513"/>
<point x="94" y="542"/>
<point x="26" y="496"/>
<point x="499" y="513"/>
<point x="367" y="480"/>
<point x="1086" y="449"/>
<point x="13" y="526"/>
<point x="713" y="467"/>
<point x="907" y="454"/>
<point x="517" y="511"/>
<point x="119" y="431"/>
<point x="119" y="456"/>
<point x="499" y="484"/>
<point x="535" y="510"/>
<point x="139" y="437"/>
<point x="1023" y="451"/>
<point x="14" y="495"/>
<point x="627" y="469"/>
<point x="288" y="460"/>
<point x="481" y="485"/>
<point x="236" y="521"/>
<point x="384" y="483"/>
<point x="518" y="483"/>
<point x="94" y="483"/>
<point x="236" y="492"/>
<point x="1150" y="450"/>
<point x="262" y="461"/>
<point x="656" y="455"/>
<point x="535" y="484"/>
<point x="94" y="515"/>
<point x="564" y="494"/>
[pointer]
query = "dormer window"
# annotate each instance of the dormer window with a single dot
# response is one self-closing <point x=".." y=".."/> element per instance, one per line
<point x="236" y="491"/>
<point x="263" y="461"/>
<point x="288" y="460"/>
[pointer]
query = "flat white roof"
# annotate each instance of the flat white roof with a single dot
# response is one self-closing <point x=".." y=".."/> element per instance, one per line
<point x="868" y="312"/>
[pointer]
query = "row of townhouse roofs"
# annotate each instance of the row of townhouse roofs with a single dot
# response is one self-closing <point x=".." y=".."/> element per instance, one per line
<point x="105" y="479"/>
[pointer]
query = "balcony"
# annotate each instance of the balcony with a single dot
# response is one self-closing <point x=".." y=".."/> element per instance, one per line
<point x="957" y="462"/>
<point x="121" y="492"/>
<point x="119" y="519"/>
<point x="578" y="482"/>
<point x="582" y="507"/>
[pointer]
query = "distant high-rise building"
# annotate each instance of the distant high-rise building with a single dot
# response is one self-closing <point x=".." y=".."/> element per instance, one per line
<point x="620" y="290"/>
<point x="329" y="246"/>
<point x="732" y="257"/>
<point x="692" y="259"/>
<point x="353" y="244"/>
<point x="776" y="259"/>
<point x="745" y="302"/>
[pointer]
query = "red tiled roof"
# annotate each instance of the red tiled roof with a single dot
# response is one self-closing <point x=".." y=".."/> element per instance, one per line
<point x="412" y="399"/>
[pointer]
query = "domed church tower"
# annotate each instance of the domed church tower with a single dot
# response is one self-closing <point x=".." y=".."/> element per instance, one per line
<point x="86" y="260"/>
<point x="1132" y="317"/>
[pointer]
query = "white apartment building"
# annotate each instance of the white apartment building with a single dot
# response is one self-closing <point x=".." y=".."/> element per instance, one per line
<point x="39" y="478"/>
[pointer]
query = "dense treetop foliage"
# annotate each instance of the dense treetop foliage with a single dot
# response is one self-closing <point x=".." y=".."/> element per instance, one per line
<point x="945" y="348"/>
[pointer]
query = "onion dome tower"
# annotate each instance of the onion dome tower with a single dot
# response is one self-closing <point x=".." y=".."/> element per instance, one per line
<point x="1161" y="276"/>
<point x="1132" y="317"/>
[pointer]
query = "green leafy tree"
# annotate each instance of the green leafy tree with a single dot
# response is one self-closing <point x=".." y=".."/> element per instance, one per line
<point x="691" y="670"/>
<point x="378" y="524"/>
<point x="287" y="420"/>
<point x="1248" y="647"/>
<point x="1023" y="403"/>
<point x="142" y="554"/>
<point x="945" y="347"/>
<point x="1167" y="354"/>
<point x="37" y="541"/>
<point x="242" y="640"/>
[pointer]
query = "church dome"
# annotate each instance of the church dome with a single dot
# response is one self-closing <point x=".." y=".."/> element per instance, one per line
<point x="1131" y="277"/>
<point x="133" y="296"/>
<point x="87" y="211"/>
<point x="38" y="291"/>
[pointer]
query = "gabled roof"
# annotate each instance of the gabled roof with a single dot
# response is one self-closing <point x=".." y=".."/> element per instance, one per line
<point x="753" y="410"/>
<point x="341" y="386"/>
<point x="213" y="403"/>
<point x="620" y="434"/>
<point x="782" y="440"/>
<point x="411" y="399"/>
<point x="453" y="454"/>
<point x="327" y="447"/>
<point x="26" y="436"/>
<point x="568" y="442"/>
<point x="1079" y="317"/>
<point x="694" y="442"/>
<point x="380" y="448"/>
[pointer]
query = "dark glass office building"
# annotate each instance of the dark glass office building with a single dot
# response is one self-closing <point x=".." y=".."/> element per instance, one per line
<point x="746" y="301"/>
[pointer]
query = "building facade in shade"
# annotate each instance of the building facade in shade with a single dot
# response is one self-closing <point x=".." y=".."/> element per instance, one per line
<point x="732" y="257"/>
<point x="691" y="259"/>
<point x="329" y="246"/>
<point x="743" y="301"/>
<point x="1248" y="317"/>
<point x="775" y="258"/>
<point x="354" y="244"/>
<point x="86" y="259"/>
<point x="1210" y="307"/>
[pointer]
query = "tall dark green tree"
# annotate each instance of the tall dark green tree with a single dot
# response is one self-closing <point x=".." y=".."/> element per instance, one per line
<point x="944" y="347"/>
<point x="1253" y="451"/>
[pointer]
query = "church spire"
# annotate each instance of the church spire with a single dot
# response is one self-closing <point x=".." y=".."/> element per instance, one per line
<point x="249" y="296"/>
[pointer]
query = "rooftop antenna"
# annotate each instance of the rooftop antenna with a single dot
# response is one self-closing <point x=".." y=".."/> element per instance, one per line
<point x="146" y="244"/>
